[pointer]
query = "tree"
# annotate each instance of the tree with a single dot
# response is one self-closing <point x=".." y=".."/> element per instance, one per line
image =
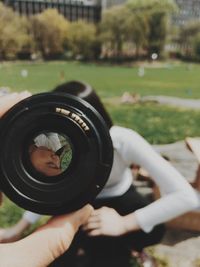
<point x="157" y="33"/>
<point x="196" y="46"/>
<point x="28" y="46"/>
<point x="137" y="29"/>
<point x="156" y="13"/>
<point x="152" y="5"/>
<point x="82" y="39"/>
<point x="13" y="33"/>
<point x="187" y="37"/>
<point x="50" y="31"/>
<point x="114" y="28"/>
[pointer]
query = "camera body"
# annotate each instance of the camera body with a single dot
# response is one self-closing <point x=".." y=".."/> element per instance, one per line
<point x="56" y="153"/>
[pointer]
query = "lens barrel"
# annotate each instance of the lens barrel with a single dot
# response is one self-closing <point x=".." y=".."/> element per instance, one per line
<point x="91" y="153"/>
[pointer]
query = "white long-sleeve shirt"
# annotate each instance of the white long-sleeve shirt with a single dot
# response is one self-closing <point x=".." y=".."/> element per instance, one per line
<point x="178" y="196"/>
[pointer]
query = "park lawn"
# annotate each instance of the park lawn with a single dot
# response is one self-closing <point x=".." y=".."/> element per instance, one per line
<point x="158" y="124"/>
<point x="174" y="79"/>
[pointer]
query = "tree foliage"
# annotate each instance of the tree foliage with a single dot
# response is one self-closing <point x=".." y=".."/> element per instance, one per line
<point x="196" y="46"/>
<point x="155" y="13"/>
<point x="144" y="23"/>
<point x="13" y="33"/>
<point x="157" y="33"/>
<point x="188" y="39"/>
<point x="50" y="31"/>
<point x="82" y="39"/>
<point x="114" y="28"/>
<point x="138" y="30"/>
<point x="152" y="5"/>
<point x="138" y="25"/>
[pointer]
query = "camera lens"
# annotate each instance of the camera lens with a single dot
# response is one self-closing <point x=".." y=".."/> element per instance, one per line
<point x="56" y="153"/>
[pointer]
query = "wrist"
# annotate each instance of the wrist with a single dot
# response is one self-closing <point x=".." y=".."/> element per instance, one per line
<point x="130" y="223"/>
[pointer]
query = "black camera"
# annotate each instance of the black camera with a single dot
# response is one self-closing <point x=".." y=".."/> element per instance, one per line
<point x="56" y="153"/>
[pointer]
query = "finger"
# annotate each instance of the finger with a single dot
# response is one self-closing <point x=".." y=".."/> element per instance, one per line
<point x="81" y="216"/>
<point x="94" y="219"/>
<point x="96" y="213"/>
<point x="7" y="98"/>
<point x="76" y="219"/>
<point x="24" y="94"/>
<point x="91" y="226"/>
<point x="8" y="101"/>
<point x="96" y="232"/>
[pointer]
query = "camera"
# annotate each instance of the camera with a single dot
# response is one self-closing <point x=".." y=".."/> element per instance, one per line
<point x="56" y="153"/>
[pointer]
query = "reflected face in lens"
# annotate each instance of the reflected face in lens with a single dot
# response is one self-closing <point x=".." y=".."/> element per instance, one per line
<point x="45" y="161"/>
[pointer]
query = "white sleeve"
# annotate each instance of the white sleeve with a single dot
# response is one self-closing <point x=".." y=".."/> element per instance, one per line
<point x="31" y="217"/>
<point x="178" y="196"/>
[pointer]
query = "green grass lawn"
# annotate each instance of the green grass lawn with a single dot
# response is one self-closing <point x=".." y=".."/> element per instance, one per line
<point x="158" y="124"/>
<point x="181" y="80"/>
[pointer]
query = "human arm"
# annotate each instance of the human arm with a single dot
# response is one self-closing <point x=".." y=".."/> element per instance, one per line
<point x="177" y="198"/>
<point x="45" y="245"/>
<point x="15" y="232"/>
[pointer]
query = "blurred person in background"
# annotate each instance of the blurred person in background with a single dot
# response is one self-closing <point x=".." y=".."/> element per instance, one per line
<point x="123" y="220"/>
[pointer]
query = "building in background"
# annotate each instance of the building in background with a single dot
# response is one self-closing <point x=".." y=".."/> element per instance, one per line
<point x="188" y="10"/>
<point x="73" y="10"/>
<point x="108" y="3"/>
<point x="90" y="10"/>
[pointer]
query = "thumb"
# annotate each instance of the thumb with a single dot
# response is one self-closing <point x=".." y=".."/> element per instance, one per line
<point x="24" y="95"/>
<point x="74" y="219"/>
<point x="81" y="216"/>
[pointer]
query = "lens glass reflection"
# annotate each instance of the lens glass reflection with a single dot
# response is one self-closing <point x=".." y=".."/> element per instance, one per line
<point x="50" y="153"/>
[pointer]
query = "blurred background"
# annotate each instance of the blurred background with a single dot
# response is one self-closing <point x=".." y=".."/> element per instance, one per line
<point x="142" y="57"/>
